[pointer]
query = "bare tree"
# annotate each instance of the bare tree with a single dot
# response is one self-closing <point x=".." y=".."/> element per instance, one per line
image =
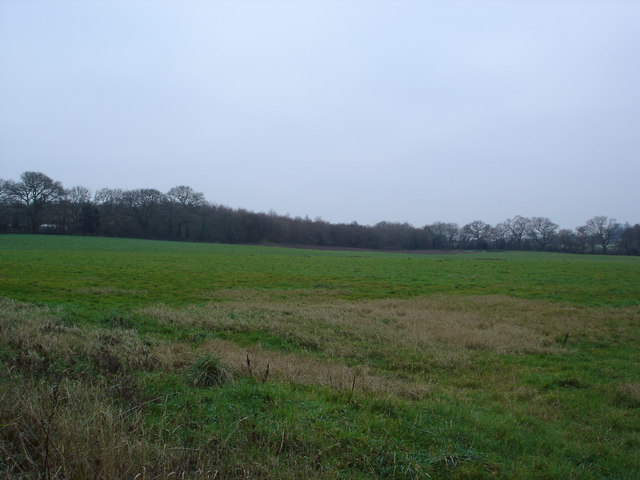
<point x="109" y="202"/>
<point x="186" y="196"/>
<point x="108" y="196"/>
<point x="478" y="233"/>
<point x="444" y="234"/>
<point x="568" y="240"/>
<point x="542" y="231"/>
<point x="582" y="238"/>
<point x="79" y="195"/>
<point x="393" y="235"/>
<point x="7" y="216"/>
<point x="500" y="235"/>
<point x="32" y="195"/>
<point x="517" y="228"/>
<point x="603" y="230"/>
<point x="76" y="199"/>
<point x="142" y="204"/>
<point x="630" y="239"/>
<point x="184" y="201"/>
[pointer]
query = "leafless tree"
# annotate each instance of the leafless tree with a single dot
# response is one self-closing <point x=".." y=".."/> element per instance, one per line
<point x="142" y="204"/>
<point x="603" y="230"/>
<point x="444" y="234"/>
<point x="76" y="198"/>
<point x="567" y="240"/>
<point x="478" y="233"/>
<point x="78" y="195"/>
<point x="35" y="192"/>
<point x="517" y="228"/>
<point x="183" y="203"/>
<point x="186" y="196"/>
<point x="501" y="235"/>
<point x="542" y="231"/>
<point x="109" y="202"/>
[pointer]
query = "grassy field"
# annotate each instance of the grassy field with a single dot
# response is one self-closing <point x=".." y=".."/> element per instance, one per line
<point x="124" y="358"/>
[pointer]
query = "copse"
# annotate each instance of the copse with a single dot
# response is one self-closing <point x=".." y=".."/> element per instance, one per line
<point x="38" y="203"/>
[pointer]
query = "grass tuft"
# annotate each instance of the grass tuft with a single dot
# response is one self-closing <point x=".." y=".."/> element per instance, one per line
<point x="208" y="371"/>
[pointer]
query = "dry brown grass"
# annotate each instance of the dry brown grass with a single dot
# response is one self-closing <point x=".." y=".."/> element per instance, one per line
<point x="305" y="369"/>
<point x="41" y="338"/>
<point x="397" y="344"/>
<point x="76" y="427"/>
<point x="71" y="429"/>
<point x="430" y="325"/>
<point x="494" y="324"/>
<point x="630" y="392"/>
<point x="60" y="422"/>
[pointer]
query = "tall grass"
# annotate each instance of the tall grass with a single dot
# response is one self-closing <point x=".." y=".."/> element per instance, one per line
<point x="72" y="406"/>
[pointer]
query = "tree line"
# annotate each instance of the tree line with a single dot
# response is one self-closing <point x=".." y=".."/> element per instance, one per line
<point x="38" y="204"/>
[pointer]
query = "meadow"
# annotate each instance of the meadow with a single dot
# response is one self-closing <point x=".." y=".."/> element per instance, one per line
<point x="147" y="359"/>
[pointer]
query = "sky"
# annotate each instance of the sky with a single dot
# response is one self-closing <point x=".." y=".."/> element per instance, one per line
<point x="366" y="111"/>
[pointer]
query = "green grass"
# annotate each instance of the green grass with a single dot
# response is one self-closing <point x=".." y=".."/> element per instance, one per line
<point x="260" y="362"/>
<point x="104" y="273"/>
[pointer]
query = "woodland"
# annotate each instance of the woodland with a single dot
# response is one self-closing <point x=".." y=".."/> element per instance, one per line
<point x="38" y="204"/>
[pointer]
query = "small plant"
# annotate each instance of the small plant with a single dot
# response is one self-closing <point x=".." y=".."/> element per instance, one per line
<point x="208" y="371"/>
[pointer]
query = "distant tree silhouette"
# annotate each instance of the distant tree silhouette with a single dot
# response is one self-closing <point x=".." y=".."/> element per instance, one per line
<point x="603" y="230"/>
<point x="542" y="232"/>
<point x="184" y="214"/>
<point x="35" y="192"/>
<point x="477" y="234"/>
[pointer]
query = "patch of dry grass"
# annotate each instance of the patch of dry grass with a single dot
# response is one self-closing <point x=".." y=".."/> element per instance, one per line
<point x="420" y="348"/>
<point x="630" y="393"/>
<point x="399" y="346"/>
<point x="305" y="369"/>
<point x="71" y="429"/>
<point x="58" y="423"/>
<point x="41" y="339"/>
<point x="433" y="324"/>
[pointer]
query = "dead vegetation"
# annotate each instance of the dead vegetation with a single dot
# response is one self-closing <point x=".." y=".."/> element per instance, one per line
<point x="429" y="325"/>
<point x="71" y="429"/>
<point x="42" y="340"/>
<point x="339" y="328"/>
<point x="629" y="393"/>
<point x="308" y="370"/>
<point x="388" y="346"/>
<point x="71" y="406"/>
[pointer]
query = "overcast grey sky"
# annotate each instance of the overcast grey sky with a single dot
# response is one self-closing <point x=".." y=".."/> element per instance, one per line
<point x="350" y="110"/>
